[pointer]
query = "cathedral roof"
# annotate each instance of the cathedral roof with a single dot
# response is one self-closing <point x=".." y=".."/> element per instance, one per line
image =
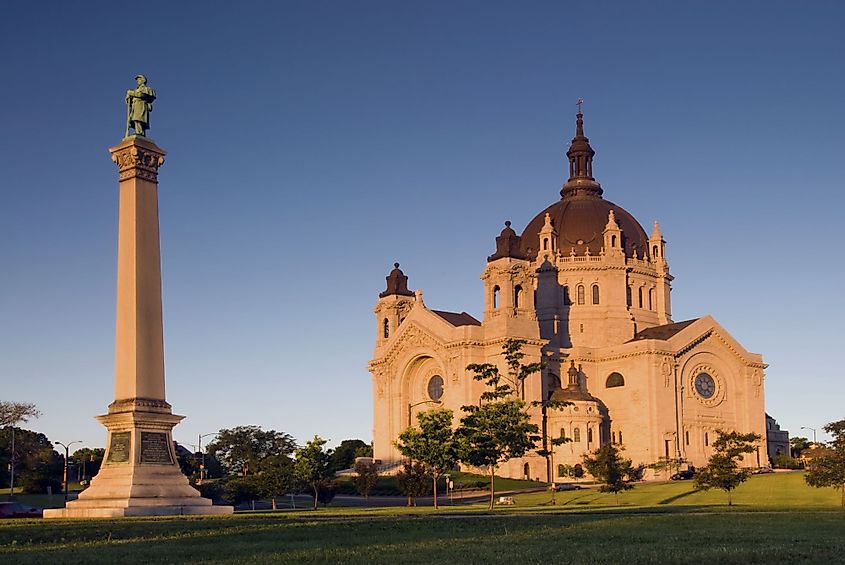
<point x="397" y="283"/>
<point x="457" y="319"/>
<point x="663" y="332"/>
<point x="580" y="216"/>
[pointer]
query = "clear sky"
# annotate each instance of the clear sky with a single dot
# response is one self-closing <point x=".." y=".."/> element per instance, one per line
<point x="312" y="144"/>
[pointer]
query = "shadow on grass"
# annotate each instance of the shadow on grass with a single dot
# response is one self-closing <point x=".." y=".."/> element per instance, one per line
<point x="672" y="499"/>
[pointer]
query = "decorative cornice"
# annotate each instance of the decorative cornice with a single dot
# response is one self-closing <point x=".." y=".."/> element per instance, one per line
<point x="137" y="159"/>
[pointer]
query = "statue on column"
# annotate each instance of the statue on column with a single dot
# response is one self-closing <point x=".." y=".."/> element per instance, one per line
<point x="139" y="104"/>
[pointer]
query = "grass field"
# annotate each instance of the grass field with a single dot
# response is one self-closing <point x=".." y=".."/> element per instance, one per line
<point x="775" y="519"/>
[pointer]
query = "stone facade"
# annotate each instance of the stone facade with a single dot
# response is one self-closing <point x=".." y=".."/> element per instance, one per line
<point x="589" y="292"/>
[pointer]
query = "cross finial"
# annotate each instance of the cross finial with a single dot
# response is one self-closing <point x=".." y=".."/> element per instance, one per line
<point x="579" y="103"/>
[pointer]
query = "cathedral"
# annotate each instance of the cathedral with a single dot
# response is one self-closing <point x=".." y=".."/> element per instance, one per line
<point x="588" y="290"/>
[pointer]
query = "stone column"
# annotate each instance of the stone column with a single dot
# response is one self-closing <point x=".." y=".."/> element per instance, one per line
<point x="140" y="475"/>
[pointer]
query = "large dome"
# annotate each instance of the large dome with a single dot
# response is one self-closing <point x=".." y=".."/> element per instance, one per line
<point x="580" y="222"/>
<point x="581" y="215"/>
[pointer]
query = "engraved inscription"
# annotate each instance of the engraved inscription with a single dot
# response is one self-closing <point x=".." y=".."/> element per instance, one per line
<point x="154" y="448"/>
<point x="119" y="447"/>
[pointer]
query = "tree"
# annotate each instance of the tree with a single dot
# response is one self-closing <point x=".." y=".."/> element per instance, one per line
<point x="311" y="467"/>
<point x="366" y="477"/>
<point x="343" y="456"/>
<point x="608" y="466"/>
<point x="828" y="470"/>
<point x="275" y="477"/>
<point x="500" y="428"/>
<point x="412" y="481"/>
<point x="432" y="445"/>
<point x="547" y="450"/>
<point x="89" y="460"/>
<point x="12" y="414"/>
<point x="39" y="465"/>
<point x="668" y="464"/>
<point x="798" y="444"/>
<point x="494" y="433"/>
<point x="241" y="449"/>
<point x="242" y="489"/>
<point x="723" y="470"/>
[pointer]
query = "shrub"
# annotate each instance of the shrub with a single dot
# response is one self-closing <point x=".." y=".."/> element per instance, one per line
<point x="784" y="461"/>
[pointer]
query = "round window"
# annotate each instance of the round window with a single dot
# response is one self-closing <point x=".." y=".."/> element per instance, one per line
<point x="435" y="387"/>
<point x="705" y="386"/>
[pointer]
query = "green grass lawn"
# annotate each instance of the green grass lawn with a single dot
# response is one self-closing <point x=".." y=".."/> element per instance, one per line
<point x="776" y="518"/>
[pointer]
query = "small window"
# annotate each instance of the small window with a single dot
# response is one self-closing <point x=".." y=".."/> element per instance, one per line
<point x="435" y="388"/>
<point x="563" y="432"/>
<point x="613" y="241"/>
<point x="595" y="294"/>
<point x="580" y="294"/>
<point x="561" y="470"/>
<point x="686" y="437"/>
<point x="628" y="296"/>
<point x="545" y="244"/>
<point x="517" y="296"/>
<point x="613" y="437"/>
<point x="654" y="252"/>
<point x="640" y="297"/>
<point x="495" y="297"/>
<point x="567" y="300"/>
<point x="576" y="435"/>
<point x="614" y="380"/>
<point x="620" y="436"/>
<point x="706" y="439"/>
<point x="526" y="472"/>
<point x="386" y="328"/>
<point x="651" y="299"/>
<point x="589" y="435"/>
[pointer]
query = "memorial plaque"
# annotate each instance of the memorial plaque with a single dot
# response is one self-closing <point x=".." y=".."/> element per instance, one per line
<point x="119" y="447"/>
<point x="155" y="448"/>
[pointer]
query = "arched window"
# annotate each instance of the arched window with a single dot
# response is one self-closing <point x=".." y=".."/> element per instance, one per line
<point x="545" y="243"/>
<point x="654" y="253"/>
<point x="517" y="296"/>
<point x="640" y="297"/>
<point x="613" y="241"/>
<point x="706" y="439"/>
<point x="576" y="435"/>
<point x="580" y="294"/>
<point x="386" y="328"/>
<point x="686" y="437"/>
<point x="612" y="437"/>
<point x="589" y="435"/>
<point x="526" y="472"/>
<point x="620" y="436"/>
<point x="595" y="294"/>
<point x="567" y="300"/>
<point x="614" y="379"/>
<point x="651" y="299"/>
<point x="563" y="432"/>
<point x="628" y="295"/>
<point x="495" y="297"/>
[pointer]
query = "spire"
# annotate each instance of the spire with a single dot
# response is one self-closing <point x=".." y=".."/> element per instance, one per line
<point x="580" y="154"/>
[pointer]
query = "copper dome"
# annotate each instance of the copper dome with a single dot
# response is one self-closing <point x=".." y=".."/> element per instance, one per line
<point x="581" y="215"/>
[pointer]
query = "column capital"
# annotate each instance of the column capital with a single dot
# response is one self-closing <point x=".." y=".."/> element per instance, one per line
<point x="137" y="157"/>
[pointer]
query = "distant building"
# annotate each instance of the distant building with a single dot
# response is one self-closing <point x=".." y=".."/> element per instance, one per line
<point x="588" y="289"/>
<point x="777" y="440"/>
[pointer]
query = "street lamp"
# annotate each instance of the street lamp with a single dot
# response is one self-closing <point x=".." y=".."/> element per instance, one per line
<point x="67" y="450"/>
<point x="202" y="454"/>
<point x="419" y="404"/>
<point x="809" y="428"/>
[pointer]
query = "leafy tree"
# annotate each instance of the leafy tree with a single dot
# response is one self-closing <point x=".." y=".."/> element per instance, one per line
<point x="723" y="470"/>
<point x="784" y="461"/>
<point x="412" y="481"/>
<point x="12" y="414"/>
<point x="494" y="433"/>
<point x="433" y="444"/>
<point x="343" y="456"/>
<point x="311" y="468"/>
<point x="366" y="478"/>
<point x="547" y="450"/>
<point x="37" y="464"/>
<point x="798" y="444"/>
<point x="500" y="428"/>
<point x="828" y="470"/>
<point x="89" y="460"/>
<point x="238" y="490"/>
<point x="275" y="477"/>
<point x="668" y="464"/>
<point x="241" y="449"/>
<point x="608" y="466"/>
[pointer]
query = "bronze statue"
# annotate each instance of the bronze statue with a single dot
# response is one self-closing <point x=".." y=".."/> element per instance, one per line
<point x="139" y="104"/>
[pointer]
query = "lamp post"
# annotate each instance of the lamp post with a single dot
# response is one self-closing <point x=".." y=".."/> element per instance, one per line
<point x="67" y="451"/>
<point x="814" y="432"/>
<point x="202" y="454"/>
<point x="419" y="404"/>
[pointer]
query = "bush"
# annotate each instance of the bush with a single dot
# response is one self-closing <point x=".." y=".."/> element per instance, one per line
<point x="786" y="462"/>
<point x="211" y="489"/>
<point x="38" y="483"/>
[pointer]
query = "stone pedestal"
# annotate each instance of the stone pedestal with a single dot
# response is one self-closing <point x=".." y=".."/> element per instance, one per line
<point x="140" y="475"/>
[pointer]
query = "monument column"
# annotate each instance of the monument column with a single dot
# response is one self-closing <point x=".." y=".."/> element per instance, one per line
<point x="140" y="475"/>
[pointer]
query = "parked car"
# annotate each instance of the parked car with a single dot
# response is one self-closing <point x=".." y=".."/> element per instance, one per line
<point x="762" y="470"/>
<point x="559" y="487"/>
<point x="684" y="475"/>
<point x="18" y="510"/>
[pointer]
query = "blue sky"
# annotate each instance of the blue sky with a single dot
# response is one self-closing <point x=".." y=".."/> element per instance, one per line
<point x="312" y="144"/>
